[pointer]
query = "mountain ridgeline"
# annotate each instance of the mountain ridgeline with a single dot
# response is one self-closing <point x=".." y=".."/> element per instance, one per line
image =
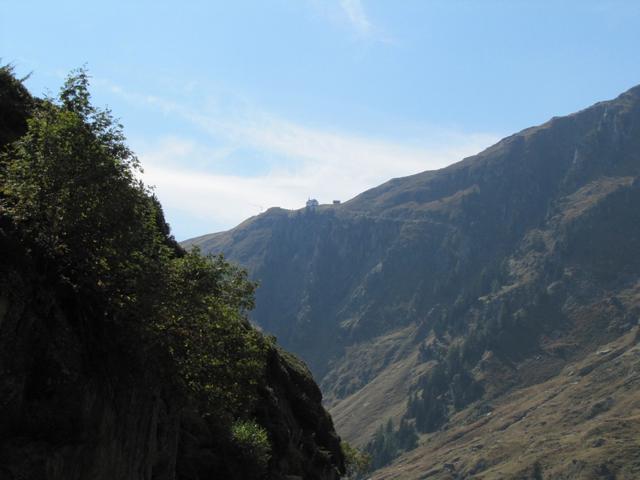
<point x="122" y="356"/>
<point x="463" y="308"/>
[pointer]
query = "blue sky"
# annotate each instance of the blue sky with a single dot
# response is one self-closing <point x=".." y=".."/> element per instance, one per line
<point x="236" y="106"/>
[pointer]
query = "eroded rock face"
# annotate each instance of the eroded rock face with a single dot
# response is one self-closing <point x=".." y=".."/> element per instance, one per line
<point x="64" y="416"/>
<point x="77" y="403"/>
<point x="305" y="442"/>
<point x="70" y="409"/>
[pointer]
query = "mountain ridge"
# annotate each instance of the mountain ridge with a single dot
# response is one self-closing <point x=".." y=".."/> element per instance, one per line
<point x="438" y="292"/>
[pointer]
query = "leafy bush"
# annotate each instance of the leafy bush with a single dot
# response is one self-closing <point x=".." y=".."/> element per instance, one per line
<point x="356" y="462"/>
<point x="253" y="441"/>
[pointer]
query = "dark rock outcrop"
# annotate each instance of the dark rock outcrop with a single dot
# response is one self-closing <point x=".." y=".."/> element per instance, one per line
<point x="72" y="407"/>
<point x="81" y="398"/>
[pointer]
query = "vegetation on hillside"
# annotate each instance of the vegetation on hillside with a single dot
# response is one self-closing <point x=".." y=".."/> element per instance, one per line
<point x="72" y="203"/>
<point x="357" y="463"/>
<point x="388" y="443"/>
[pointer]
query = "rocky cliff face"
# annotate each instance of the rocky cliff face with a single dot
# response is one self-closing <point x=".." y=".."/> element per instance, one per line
<point x="69" y="409"/>
<point x="452" y="288"/>
<point x="72" y="408"/>
<point x="79" y="402"/>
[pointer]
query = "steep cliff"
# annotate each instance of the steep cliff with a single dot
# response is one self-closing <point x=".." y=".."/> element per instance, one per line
<point x="122" y="356"/>
<point x="72" y="408"/>
<point x="447" y="290"/>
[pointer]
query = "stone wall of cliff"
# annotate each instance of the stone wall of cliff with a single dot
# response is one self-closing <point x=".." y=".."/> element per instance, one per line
<point x="76" y="404"/>
<point x="86" y="393"/>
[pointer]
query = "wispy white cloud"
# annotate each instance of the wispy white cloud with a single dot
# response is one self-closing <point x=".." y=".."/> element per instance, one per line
<point x="355" y="13"/>
<point x="193" y="177"/>
<point x="325" y="165"/>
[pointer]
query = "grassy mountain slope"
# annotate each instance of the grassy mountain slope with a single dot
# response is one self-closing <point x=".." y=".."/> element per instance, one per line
<point x="581" y="424"/>
<point x="457" y="287"/>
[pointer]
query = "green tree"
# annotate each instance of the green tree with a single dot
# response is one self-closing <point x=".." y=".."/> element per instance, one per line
<point x="69" y="184"/>
<point x="218" y="355"/>
<point x="357" y="463"/>
<point x="406" y="435"/>
<point x="383" y="448"/>
<point x="70" y="188"/>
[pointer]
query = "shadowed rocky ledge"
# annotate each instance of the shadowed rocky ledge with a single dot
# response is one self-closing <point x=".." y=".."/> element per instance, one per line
<point x="70" y="409"/>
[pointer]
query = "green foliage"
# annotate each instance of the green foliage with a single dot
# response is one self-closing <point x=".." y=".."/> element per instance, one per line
<point x="357" y="463"/>
<point x="383" y="448"/>
<point x="219" y="356"/>
<point x="429" y="405"/>
<point x="70" y="190"/>
<point x="15" y="102"/>
<point x="407" y="436"/>
<point x="69" y="184"/>
<point x="448" y="383"/>
<point x="253" y="441"/>
<point x="388" y="443"/>
<point x="429" y="411"/>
